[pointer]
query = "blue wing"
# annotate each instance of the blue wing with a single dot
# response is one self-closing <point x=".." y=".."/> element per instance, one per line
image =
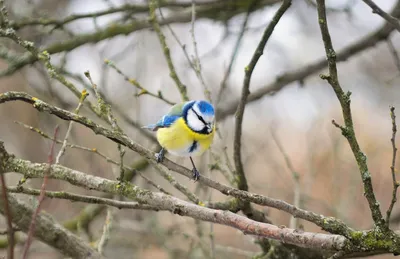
<point x="175" y="112"/>
<point x="164" y="122"/>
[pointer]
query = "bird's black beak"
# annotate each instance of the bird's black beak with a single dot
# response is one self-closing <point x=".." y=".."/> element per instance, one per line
<point x="209" y="127"/>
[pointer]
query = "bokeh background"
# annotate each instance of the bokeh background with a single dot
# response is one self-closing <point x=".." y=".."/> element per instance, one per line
<point x="298" y="118"/>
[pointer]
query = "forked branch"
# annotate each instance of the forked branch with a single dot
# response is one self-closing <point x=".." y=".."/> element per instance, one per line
<point x="242" y="182"/>
<point x="348" y="129"/>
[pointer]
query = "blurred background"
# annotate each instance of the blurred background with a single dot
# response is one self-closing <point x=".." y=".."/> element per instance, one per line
<point x="292" y="124"/>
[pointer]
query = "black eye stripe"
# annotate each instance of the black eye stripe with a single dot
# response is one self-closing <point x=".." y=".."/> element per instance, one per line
<point x="199" y="117"/>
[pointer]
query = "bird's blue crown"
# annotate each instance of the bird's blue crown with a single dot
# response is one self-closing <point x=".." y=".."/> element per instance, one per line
<point x="205" y="108"/>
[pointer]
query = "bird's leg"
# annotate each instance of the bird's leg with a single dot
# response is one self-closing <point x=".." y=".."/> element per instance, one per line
<point x="196" y="173"/>
<point x="160" y="155"/>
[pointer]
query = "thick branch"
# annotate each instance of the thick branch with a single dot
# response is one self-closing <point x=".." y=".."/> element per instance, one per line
<point x="327" y="223"/>
<point x="162" y="201"/>
<point x="48" y="230"/>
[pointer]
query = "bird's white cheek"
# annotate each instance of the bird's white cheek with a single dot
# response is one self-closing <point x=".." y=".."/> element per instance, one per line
<point x="194" y="123"/>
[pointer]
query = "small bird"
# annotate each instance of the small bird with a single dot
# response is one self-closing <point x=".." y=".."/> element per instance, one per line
<point x="186" y="130"/>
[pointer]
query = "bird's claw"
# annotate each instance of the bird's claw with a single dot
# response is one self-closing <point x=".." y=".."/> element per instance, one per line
<point x="196" y="174"/>
<point x="160" y="156"/>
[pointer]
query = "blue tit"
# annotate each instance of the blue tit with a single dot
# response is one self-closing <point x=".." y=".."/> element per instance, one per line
<point x="187" y="130"/>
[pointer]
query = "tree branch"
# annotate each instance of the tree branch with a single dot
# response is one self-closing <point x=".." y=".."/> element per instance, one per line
<point x="82" y="198"/>
<point x="327" y="223"/>
<point x="50" y="159"/>
<point x="242" y="182"/>
<point x="348" y="130"/>
<point x="162" y="201"/>
<point x="7" y="214"/>
<point x="213" y="11"/>
<point x="240" y="178"/>
<point x="393" y="165"/>
<point x="48" y="230"/>
<point x="390" y="19"/>
<point x="285" y="79"/>
<point x="156" y="26"/>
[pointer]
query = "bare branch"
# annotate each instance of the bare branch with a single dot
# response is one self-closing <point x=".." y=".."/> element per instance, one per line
<point x="234" y="52"/>
<point x="65" y="141"/>
<point x="348" y="130"/>
<point x="395" y="54"/>
<point x="31" y="231"/>
<point x="135" y="83"/>
<point x="295" y="176"/>
<point x="390" y="19"/>
<point x="82" y="198"/>
<point x="7" y="213"/>
<point x="106" y="231"/>
<point x="183" y="189"/>
<point x="183" y="208"/>
<point x="242" y="182"/>
<point x="212" y="11"/>
<point x="155" y="185"/>
<point x="181" y="87"/>
<point x="49" y="231"/>
<point x="285" y="79"/>
<point x="393" y="166"/>
<point x="327" y="223"/>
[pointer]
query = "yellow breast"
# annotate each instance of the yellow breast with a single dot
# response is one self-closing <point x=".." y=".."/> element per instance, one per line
<point x="180" y="140"/>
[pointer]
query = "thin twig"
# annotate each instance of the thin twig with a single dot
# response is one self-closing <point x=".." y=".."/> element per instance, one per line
<point x="295" y="176"/>
<point x="92" y="150"/>
<point x="10" y="230"/>
<point x="50" y="159"/>
<point x="106" y="231"/>
<point x="183" y="208"/>
<point x="181" y="88"/>
<point x="330" y="224"/>
<point x="152" y="183"/>
<point x="196" y="60"/>
<point x="242" y="182"/>
<point x="394" y="52"/>
<point x="81" y="198"/>
<point x="180" y="187"/>
<point x="121" y="165"/>
<point x="240" y="176"/>
<point x="65" y="141"/>
<point x="135" y="83"/>
<point x="300" y="74"/>
<point x="348" y="129"/>
<point x="235" y="52"/>
<point x="390" y="19"/>
<point x="105" y="108"/>
<point x="393" y="166"/>
<point x="43" y="56"/>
